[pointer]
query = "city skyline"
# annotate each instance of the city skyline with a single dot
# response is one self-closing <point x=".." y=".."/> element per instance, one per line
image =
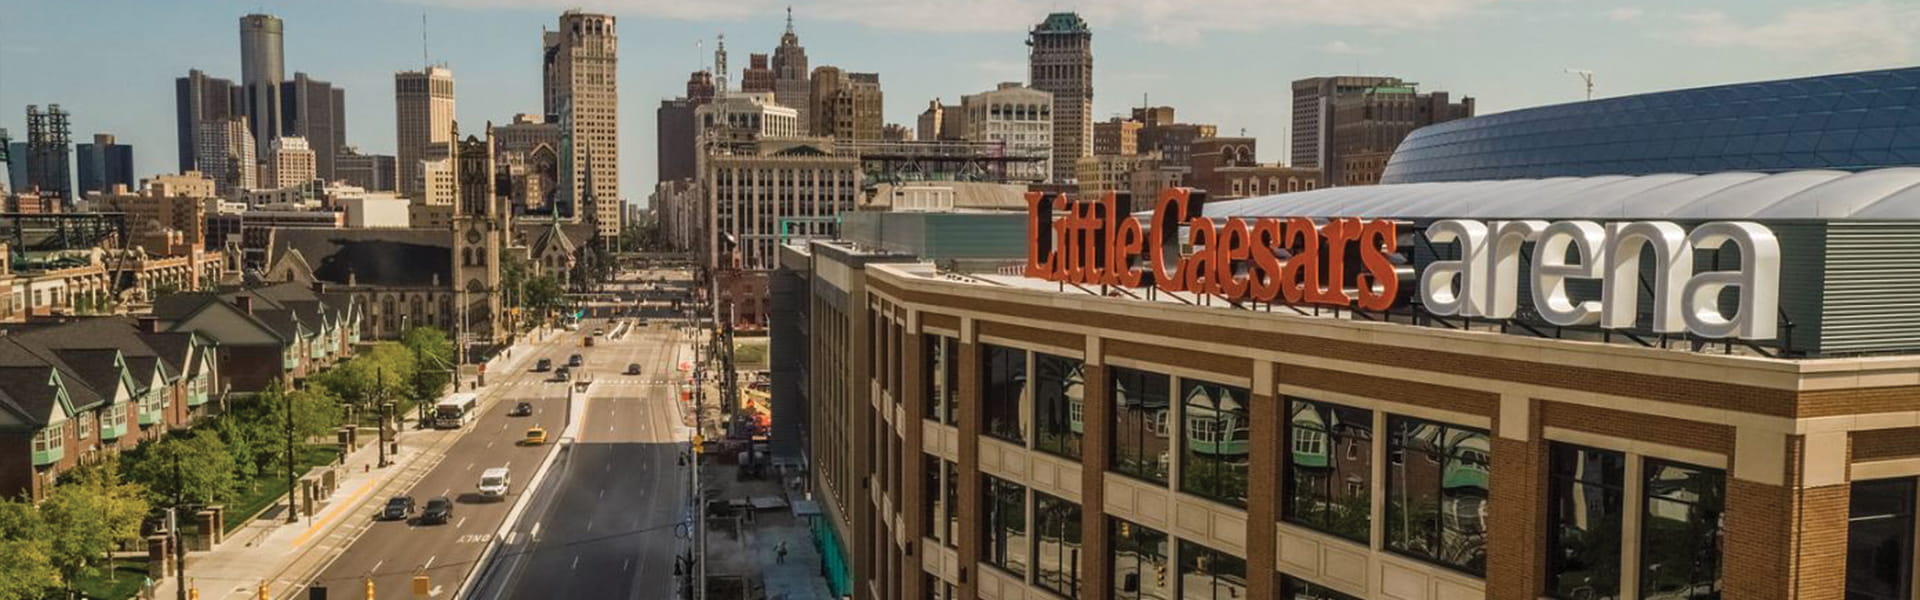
<point x="496" y="48"/>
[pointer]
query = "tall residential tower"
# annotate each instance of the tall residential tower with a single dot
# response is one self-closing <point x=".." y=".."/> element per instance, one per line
<point x="1060" y="62"/>
<point x="580" y="75"/>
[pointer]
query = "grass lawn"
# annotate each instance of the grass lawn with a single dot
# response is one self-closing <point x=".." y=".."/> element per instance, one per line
<point x="273" y="488"/>
<point x="122" y="582"/>
<point x="750" y="355"/>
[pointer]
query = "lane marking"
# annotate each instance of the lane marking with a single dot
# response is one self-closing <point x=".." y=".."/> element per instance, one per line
<point x="463" y="521"/>
<point x="576" y="562"/>
<point x="376" y="565"/>
<point x="626" y="564"/>
<point x="469" y="466"/>
<point x="589" y="524"/>
<point x="429" y="564"/>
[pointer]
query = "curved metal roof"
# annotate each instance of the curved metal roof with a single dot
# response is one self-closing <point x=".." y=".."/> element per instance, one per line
<point x="1883" y="194"/>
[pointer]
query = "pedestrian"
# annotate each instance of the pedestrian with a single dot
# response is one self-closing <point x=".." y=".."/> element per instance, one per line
<point x="780" y="554"/>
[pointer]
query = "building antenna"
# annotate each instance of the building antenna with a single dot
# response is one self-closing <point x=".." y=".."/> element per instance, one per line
<point x="1586" y="77"/>
<point x="424" y="61"/>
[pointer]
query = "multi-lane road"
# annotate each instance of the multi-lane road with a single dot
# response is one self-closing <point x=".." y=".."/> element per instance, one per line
<point x="615" y="496"/>
<point x="608" y="521"/>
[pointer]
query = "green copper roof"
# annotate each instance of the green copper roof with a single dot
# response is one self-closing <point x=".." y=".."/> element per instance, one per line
<point x="1062" y="22"/>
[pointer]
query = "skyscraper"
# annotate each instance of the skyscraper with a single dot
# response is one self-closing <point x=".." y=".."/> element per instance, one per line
<point x="846" y="105"/>
<point x="317" y="111"/>
<point x="1311" y="113"/>
<point x="674" y="142"/>
<point x="758" y="77"/>
<point x="50" y="154"/>
<point x="423" y="122"/>
<point x="1348" y="126"/>
<point x="198" y="98"/>
<point x="790" y="86"/>
<point x="372" y="172"/>
<point x="291" y="163"/>
<point x="104" y="163"/>
<point x="226" y="154"/>
<point x="581" y="77"/>
<point x="262" y="67"/>
<point x="1060" y="62"/>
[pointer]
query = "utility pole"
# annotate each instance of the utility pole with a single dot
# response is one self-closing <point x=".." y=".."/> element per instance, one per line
<point x="1586" y="77"/>
<point x="293" y="491"/>
<point x="173" y="526"/>
<point x="380" y="396"/>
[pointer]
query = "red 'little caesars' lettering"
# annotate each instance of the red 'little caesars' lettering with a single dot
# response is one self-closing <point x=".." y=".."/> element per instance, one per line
<point x="1342" y="262"/>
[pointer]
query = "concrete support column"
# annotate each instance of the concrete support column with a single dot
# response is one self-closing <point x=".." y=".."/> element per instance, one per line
<point x="914" y="495"/>
<point x="1268" y="414"/>
<point x="1786" y="516"/>
<point x="1097" y="436"/>
<point x="969" y="466"/>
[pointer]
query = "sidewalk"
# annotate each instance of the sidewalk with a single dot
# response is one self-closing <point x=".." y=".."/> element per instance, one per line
<point x="751" y="552"/>
<point x="284" y="555"/>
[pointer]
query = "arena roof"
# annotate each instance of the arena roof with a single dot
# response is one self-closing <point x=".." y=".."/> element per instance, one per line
<point x="1878" y="195"/>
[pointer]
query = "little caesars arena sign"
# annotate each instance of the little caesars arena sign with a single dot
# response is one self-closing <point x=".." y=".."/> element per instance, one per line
<point x="1356" y="263"/>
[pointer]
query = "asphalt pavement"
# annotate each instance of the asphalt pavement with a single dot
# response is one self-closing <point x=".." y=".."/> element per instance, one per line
<point x="391" y="553"/>
<point x="605" y="523"/>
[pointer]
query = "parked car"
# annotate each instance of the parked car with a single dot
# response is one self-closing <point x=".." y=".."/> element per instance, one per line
<point x="543" y="365"/>
<point x="438" y="511"/>
<point x="633" y="368"/>
<point x="522" y="409"/>
<point x="398" y="508"/>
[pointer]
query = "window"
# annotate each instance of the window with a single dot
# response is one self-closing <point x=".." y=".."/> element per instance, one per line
<point x="1436" y="501"/>
<point x="936" y="506"/>
<point x="1140" y="446"/>
<point x="943" y="377"/>
<point x="1056" y="547"/>
<point x="1004" y="393"/>
<point x="1880" y="540"/>
<point x="1208" y="574"/>
<point x="1139" y="559"/>
<point x="1005" y="525"/>
<point x="1295" y="588"/>
<point x="1680" y="531"/>
<point x="1585" y="488"/>
<point x="1058" y="390"/>
<point x="1213" y="457"/>
<point x="1330" y="469"/>
<point x="53" y="437"/>
<point x="952" y="477"/>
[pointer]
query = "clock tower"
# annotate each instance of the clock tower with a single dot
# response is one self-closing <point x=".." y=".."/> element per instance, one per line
<point x="478" y="234"/>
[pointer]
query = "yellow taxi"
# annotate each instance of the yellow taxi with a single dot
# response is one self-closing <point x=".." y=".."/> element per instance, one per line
<point x="536" y="435"/>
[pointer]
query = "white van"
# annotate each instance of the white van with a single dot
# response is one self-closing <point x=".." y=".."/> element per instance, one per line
<point x="494" y="482"/>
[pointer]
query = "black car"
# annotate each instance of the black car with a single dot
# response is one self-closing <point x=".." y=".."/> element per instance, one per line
<point x="398" y="508"/>
<point x="633" y="368"/>
<point x="438" y="510"/>
<point x="575" y="361"/>
<point x="522" y="409"/>
<point x="543" y="365"/>
<point x="563" y="374"/>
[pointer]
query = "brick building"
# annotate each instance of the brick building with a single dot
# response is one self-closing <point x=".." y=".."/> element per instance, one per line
<point x="980" y="433"/>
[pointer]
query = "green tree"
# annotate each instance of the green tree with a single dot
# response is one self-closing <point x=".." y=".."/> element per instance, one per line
<point x="543" y="295"/>
<point x="89" y="515"/>
<point x="25" y="552"/>
<point x="188" y="467"/>
<point x="433" y="361"/>
<point x="383" y="372"/>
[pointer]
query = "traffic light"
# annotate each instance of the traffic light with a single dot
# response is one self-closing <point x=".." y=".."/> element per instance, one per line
<point x="1159" y="575"/>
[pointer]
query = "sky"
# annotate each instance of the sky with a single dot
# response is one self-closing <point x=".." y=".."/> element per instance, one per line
<point x="111" y="63"/>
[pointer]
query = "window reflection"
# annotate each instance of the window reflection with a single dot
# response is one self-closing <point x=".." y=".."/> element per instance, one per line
<point x="1214" y="455"/>
<point x="1057" y="545"/>
<point x="1208" y="574"/>
<point x="1880" y="540"/>
<point x="1584" y="493"/>
<point x="1004" y="525"/>
<point x="1004" y="396"/>
<point x="1139" y="559"/>
<point x="1140" y="435"/>
<point x="1680" y="531"/>
<point x="1329" y="468"/>
<point x="1437" y="492"/>
<point x="1058" y="388"/>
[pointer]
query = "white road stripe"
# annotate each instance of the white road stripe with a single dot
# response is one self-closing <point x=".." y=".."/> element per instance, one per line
<point x="463" y="521"/>
<point x="429" y="564"/>
<point x="576" y="562"/>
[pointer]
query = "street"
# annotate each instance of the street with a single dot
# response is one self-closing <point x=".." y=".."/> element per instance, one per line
<point x="391" y="553"/>
<point x="604" y="524"/>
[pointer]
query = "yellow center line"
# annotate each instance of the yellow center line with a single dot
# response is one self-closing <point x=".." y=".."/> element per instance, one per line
<point x="337" y="509"/>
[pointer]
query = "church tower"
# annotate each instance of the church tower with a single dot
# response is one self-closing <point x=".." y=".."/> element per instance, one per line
<point x="478" y="238"/>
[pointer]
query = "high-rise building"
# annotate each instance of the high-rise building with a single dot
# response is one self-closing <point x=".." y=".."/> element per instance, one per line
<point x="675" y="144"/>
<point x="758" y="77"/>
<point x="198" y="98"/>
<point x="423" y="128"/>
<point x="1116" y="137"/>
<point x="791" y="87"/>
<point x="526" y="156"/>
<point x="928" y="124"/>
<point x="317" y="111"/>
<point x="372" y="172"/>
<point x="17" y="166"/>
<point x="49" y="155"/>
<point x="1334" y="117"/>
<point x="291" y="163"/>
<point x="745" y="118"/>
<point x="749" y="218"/>
<point x="581" y="74"/>
<point x="700" y="87"/>
<point x="1019" y="117"/>
<point x="846" y="106"/>
<point x="103" y="164"/>
<point x="227" y="155"/>
<point x="262" y="68"/>
<point x="1060" y="62"/>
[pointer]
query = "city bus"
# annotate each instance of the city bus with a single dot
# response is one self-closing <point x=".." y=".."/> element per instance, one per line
<point x="455" y="411"/>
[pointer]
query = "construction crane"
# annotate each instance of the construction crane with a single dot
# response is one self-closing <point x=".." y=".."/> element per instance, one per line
<point x="1586" y="76"/>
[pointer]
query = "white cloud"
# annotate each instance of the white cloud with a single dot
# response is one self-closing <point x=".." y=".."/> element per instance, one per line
<point x="1169" y="21"/>
<point x="1625" y="13"/>
<point x="1342" y="47"/>
<point x="1866" y="34"/>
